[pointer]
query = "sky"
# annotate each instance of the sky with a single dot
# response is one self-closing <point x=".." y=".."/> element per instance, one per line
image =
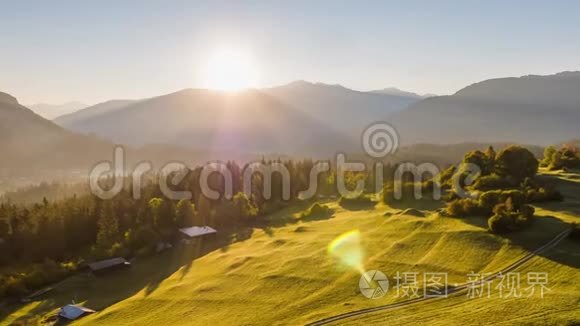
<point x="60" y="51"/>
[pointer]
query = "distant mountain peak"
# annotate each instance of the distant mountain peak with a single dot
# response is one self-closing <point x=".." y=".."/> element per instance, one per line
<point x="575" y="74"/>
<point x="305" y="83"/>
<point x="300" y="82"/>
<point x="333" y="86"/>
<point x="398" y="92"/>
<point x="505" y="85"/>
<point x="6" y="98"/>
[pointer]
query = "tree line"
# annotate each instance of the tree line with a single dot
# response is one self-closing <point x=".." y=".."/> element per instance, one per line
<point x="46" y="240"/>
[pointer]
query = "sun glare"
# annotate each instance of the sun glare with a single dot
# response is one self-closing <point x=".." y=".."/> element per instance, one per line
<point x="230" y="70"/>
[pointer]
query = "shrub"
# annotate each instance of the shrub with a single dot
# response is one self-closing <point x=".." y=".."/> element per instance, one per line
<point x="69" y="267"/>
<point x="465" y="207"/>
<point x="543" y="194"/>
<point x="316" y="210"/>
<point x="566" y="157"/>
<point x="429" y="186"/>
<point x="548" y="155"/>
<point x="489" y="199"/>
<point x="270" y="207"/>
<point x="490" y="182"/>
<point x="244" y="208"/>
<point x="44" y="273"/>
<point x="507" y="219"/>
<point x="143" y="236"/>
<point x="36" y="278"/>
<point x="481" y="160"/>
<point x="446" y="176"/>
<point x="500" y="223"/>
<point x="13" y="286"/>
<point x="408" y="191"/>
<point x="450" y="196"/>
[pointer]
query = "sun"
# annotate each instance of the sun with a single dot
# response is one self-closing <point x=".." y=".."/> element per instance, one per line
<point x="230" y="70"/>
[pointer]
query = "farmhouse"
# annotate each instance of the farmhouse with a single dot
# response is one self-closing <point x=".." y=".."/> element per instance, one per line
<point x="104" y="266"/>
<point x="72" y="312"/>
<point x="197" y="232"/>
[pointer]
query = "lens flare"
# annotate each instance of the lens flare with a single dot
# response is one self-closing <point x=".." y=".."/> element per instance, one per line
<point x="347" y="248"/>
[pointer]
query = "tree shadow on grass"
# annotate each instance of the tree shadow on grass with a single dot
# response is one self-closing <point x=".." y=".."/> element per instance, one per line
<point x="357" y="206"/>
<point x="420" y="204"/>
<point x="570" y="191"/>
<point x="543" y="229"/>
<point x="283" y="217"/>
<point x="146" y="274"/>
<point x="100" y="292"/>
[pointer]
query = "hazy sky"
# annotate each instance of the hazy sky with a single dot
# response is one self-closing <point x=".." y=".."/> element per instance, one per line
<point x="91" y="51"/>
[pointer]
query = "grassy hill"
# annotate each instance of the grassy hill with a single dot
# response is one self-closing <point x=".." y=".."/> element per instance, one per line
<point x="283" y="274"/>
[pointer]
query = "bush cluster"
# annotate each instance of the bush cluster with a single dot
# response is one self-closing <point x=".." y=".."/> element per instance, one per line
<point x="492" y="181"/>
<point x="508" y="218"/>
<point x="408" y="191"/>
<point x="567" y="157"/>
<point x="485" y="204"/>
<point x="543" y="194"/>
<point x="502" y="191"/>
<point x="38" y="275"/>
<point x="316" y="210"/>
<point x="465" y="207"/>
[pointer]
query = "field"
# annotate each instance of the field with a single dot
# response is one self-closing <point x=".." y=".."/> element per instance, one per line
<point x="284" y="275"/>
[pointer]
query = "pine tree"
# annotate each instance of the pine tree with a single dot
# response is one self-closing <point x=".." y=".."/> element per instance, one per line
<point x="108" y="228"/>
<point x="204" y="210"/>
<point x="185" y="213"/>
<point x="155" y="208"/>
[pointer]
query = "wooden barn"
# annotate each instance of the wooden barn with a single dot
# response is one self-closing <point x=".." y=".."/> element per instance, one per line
<point x="190" y="234"/>
<point x="107" y="265"/>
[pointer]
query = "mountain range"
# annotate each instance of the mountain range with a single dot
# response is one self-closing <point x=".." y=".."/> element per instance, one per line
<point x="301" y="118"/>
<point x="398" y="92"/>
<point x="215" y="121"/>
<point x="29" y="140"/>
<point x="530" y="109"/>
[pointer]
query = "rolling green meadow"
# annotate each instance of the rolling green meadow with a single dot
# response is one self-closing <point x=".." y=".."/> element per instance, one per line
<point x="282" y="274"/>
